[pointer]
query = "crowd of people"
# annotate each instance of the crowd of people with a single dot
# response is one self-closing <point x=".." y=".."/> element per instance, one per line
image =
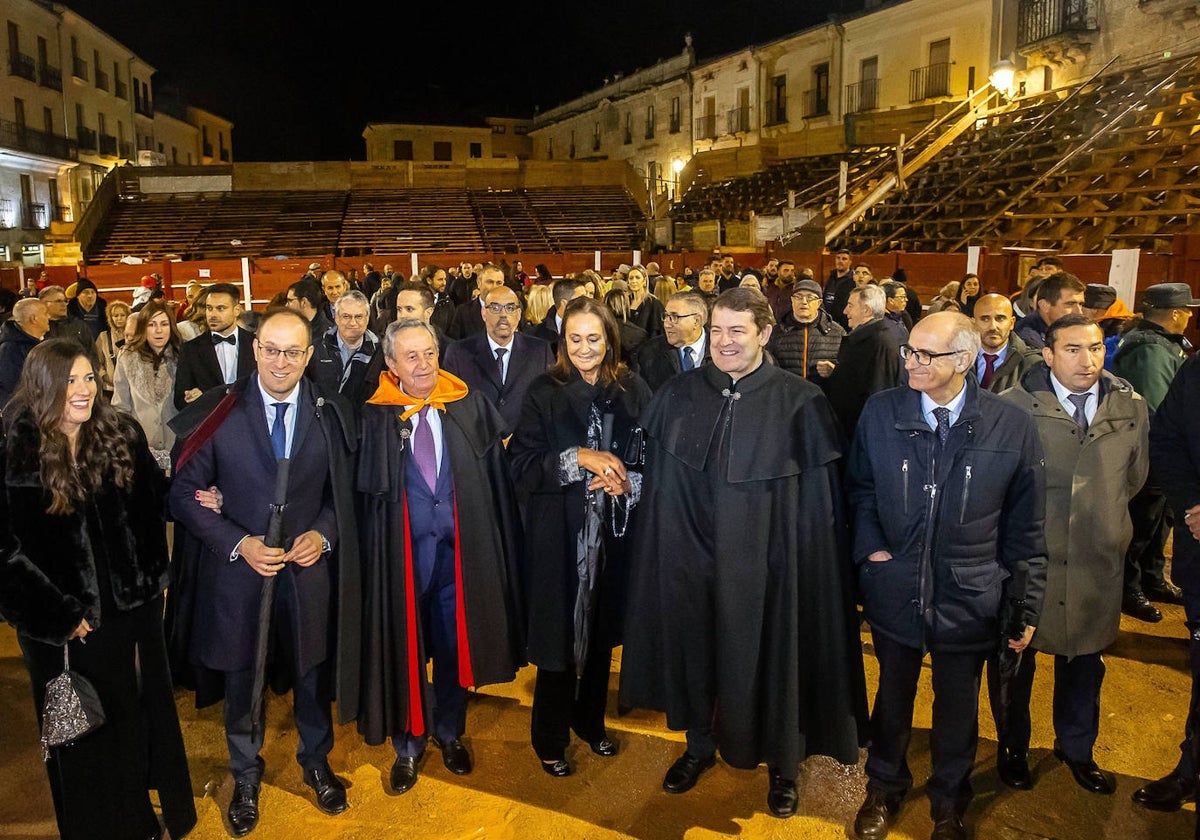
<point x="725" y="474"/>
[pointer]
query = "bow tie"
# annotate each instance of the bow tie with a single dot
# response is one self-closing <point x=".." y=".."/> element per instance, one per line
<point x="228" y="339"/>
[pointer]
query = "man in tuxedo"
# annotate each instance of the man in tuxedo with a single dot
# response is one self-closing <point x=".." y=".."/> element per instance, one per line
<point x="221" y="355"/>
<point x="443" y="306"/>
<point x="468" y="318"/>
<point x="683" y="345"/>
<point x="274" y="414"/>
<point x="500" y="362"/>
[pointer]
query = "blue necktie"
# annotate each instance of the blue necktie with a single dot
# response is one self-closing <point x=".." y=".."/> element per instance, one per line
<point x="688" y="364"/>
<point x="943" y="424"/>
<point x="279" y="431"/>
<point x="1080" y="415"/>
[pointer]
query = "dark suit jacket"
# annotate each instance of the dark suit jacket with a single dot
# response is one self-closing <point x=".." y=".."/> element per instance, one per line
<point x="443" y="311"/>
<point x="199" y="368"/>
<point x="468" y="320"/>
<point x="658" y="361"/>
<point x="471" y="360"/>
<point x="547" y="330"/>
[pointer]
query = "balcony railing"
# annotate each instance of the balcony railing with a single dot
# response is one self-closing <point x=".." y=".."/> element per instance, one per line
<point x="86" y="138"/>
<point x="738" y="119"/>
<point x="224" y="155"/>
<point x="816" y="103"/>
<point x="120" y="89"/>
<point x="27" y="139"/>
<point x="862" y="96"/>
<point x="706" y="127"/>
<point x="7" y="218"/>
<point x="79" y="68"/>
<point x="33" y="215"/>
<point x="126" y="150"/>
<point x="1038" y="19"/>
<point x="22" y="65"/>
<point x="101" y="79"/>
<point x="928" y="82"/>
<point x="207" y="150"/>
<point x="60" y="213"/>
<point x="108" y="145"/>
<point x="144" y="108"/>
<point x="776" y="113"/>
<point x="50" y="77"/>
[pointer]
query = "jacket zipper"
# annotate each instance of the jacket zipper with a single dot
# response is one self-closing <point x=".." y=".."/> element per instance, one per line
<point x="962" y="516"/>
<point x="904" y="469"/>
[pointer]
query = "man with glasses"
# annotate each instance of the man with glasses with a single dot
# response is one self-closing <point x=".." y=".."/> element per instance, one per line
<point x="500" y="362"/>
<point x="349" y="350"/>
<point x="683" y="344"/>
<point x="948" y="491"/>
<point x="806" y="334"/>
<point x="62" y="323"/>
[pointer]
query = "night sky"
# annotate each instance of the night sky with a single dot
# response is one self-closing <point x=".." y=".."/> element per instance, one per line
<point x="301" y="84"/>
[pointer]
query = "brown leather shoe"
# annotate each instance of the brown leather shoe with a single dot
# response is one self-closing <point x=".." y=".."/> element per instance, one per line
<point x="875" y="817"/>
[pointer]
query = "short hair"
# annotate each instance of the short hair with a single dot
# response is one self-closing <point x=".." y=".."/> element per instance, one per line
<point x="388" y="343"/>
<point x="892" y="289"/>
<point x="964" y="337"/>
<point x="873" y="298"/>
<point x="842" y="252"/>
<point x="707" y="271"/>
<point x="1066" y="322"/>
<point x="25" y="308"/>
<point x="420" y="288"/>
<point x="782" y="263"/>
<point x="695" y="301"/>
<point x="224" y="289"/>
<point x="1053" y="286"/>
<point x="308" y="289"/>
<point x="564" y="290"/>
<point x="1054" y="261"/>
<point x="747" y="300"/>
<point x="51" y="290"/>
<point x="284" y="312"/>
<point x="352" y="296"/>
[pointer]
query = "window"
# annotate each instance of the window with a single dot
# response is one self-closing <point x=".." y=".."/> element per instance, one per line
<point x="649" y="122"/>
<point x="160" y="148"/>
<point x="550" y="149"/>
<point x="820" y="89"/>
<point x="442" y="150"/>
<point x="628" y="127"/>
<point x="48" y="120"/>
<point x="19" y="113"/>
<point x="402" y="150"/>
<point x="476" y="150"/>
<point x="676" y="114"/>
<point x="596" y="137"/>
<point x="777" y="105"/>
<point x="174" y="154"/>
<point x="571" y="153"/>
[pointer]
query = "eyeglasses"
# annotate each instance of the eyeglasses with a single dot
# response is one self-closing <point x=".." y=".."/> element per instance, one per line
<point x="673" y="317"/>
<point x="805" y="300"/>
<point x="924" y="357"/>
<point x="272" y="353"/>
<point x="507" y="308"/>
<point x="357" y="319"/>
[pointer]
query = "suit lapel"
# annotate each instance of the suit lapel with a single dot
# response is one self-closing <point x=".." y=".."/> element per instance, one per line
<point x="255" y="416"/>
<point x="208" y="359"/>
<point x="245" y="354"/>
<point x="304" y="417"/>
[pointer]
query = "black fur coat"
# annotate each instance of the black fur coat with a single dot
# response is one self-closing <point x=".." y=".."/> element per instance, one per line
<point x="47" y="569"/>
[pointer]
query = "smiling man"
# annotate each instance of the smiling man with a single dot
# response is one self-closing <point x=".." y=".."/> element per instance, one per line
<point x="719" y="604"/>
<point x="683" y="344"/>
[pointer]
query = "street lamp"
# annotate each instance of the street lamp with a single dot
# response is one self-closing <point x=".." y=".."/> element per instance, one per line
<point x="1004" y="73"/>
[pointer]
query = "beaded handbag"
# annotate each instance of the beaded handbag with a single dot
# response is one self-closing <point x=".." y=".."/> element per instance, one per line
<point x="71" y="709"/>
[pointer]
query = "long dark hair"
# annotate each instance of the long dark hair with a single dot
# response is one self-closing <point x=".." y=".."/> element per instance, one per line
<point x="611" y="368"/>
<point x="102" y="451"/>
<point x="139" y="344"/>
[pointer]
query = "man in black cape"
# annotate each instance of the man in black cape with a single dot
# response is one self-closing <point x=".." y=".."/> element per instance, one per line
<point x="741" y="613"/>
<point x="439" y="542"/>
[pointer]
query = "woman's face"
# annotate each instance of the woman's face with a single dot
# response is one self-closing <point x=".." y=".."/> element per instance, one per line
<point x="585" y="344"/>
<point x="636" y="281"/>
<point x="970" y="287"/>
<point x="158" y="332"/>
<point x="119" y="317"/>
<point x="590" y="288"/>
<point x="80" y="396"/>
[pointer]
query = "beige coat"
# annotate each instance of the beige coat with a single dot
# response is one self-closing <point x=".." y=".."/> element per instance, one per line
<point x="148" y="396"/>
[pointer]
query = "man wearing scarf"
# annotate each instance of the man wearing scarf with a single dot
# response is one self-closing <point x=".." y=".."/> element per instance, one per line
<point x="440" y="535"/>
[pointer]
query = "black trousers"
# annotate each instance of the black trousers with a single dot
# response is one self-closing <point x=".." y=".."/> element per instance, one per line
<point x="557" y="709"/>
<point x="1076" y="704"/>
<point x="1144" y="559"/>
<point x="955" y="733"/>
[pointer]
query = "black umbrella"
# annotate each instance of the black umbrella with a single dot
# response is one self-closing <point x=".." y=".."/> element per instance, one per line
<point x="274" y="538"/>
<point x="1008" y="661"/>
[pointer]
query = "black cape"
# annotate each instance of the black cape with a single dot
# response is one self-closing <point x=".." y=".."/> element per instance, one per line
<point x="488" y="531"/>
<point x="765" y="518"/>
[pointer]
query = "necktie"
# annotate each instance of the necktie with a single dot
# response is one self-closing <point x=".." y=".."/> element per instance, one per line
<point x="688" y="364"/>
<point x="423" y="452"/>
<point x="943" y="424"/>
<point x="227" y="339"/>
<point x="500" y="351"/>
<point x="279" y="431"/>
<point x="989" y="370"/>
<point x="1080" y="401"/>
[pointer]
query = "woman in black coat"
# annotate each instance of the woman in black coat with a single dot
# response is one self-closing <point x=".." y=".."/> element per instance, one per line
<point x="576" y="462"/>
<point x="83" y="556"/>
<point x="645" y="309"/>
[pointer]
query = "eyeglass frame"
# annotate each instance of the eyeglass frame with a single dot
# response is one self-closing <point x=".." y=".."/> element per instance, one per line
<point x="907" y="351"/>
<point x="806" y="299"/>
<point x="293" y="354"/>
<point x="673" y="317"/>
<point x="505" y="308"/>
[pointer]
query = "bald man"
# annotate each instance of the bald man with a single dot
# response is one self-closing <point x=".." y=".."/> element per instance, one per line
<point x="1003" y="356"/>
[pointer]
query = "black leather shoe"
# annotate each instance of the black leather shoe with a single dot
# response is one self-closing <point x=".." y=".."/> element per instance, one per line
<point x="605" y="747"/>
<point x="782" y="797"/>
<point x="1139" y="606"/>
<point x="1166" y="593"/>
<point x="948" y="827"/>
<point x="558" y="769"/>
<point x="1166" y="794"/>
<point x="685" y="771"/>
<point x="1088" y="776"/>
<point x="243" y="808"/>
<point x="1013" y="768"/>
<point x="455" y="757"/>
<point x="875" y="817"/>
<point x="331" y="793"/>
<point x="404" y="773"/>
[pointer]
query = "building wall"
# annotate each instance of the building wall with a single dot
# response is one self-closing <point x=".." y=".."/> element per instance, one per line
<point x="178" y="141"/>
<point x="216" y="136"/>
<point x="381" y="139"/>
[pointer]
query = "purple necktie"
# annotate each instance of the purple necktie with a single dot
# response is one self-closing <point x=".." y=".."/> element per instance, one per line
<point x="989" y="370"/>
<point x="423" y="452"/>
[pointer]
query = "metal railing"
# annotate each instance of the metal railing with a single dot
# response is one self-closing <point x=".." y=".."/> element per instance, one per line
<point x="101" y="79"/>
<point x="928" y="82"/>
<point x="108" y="145"/>
<point x="1038" y="19"/>
<point x="22" y="65"/>
<point x="79" y="68"/>
<point x="738" y="119"/>
<point x="59" y="213"/>
<point x="224" y="155"/>
<point x="86" y="138"/>
<point x="33" y="215"/>
<point x="144" y="108"/>
<point x="16" y="136"/>
<point x="776" y="113"/>
<point x="7" y="219"/>
<point x="120" y="89"/>
<point x="207" y="150"/>
<point x="50" y="77"/>
<point x="862" y="96"/>
<point x="649" y="131"/>
<point x="628" y="136"/>
<point x="126" y="150"/>
<point x="595" y="142"/>
<point x="706" y="127"/>
<point x="816" y="103"/>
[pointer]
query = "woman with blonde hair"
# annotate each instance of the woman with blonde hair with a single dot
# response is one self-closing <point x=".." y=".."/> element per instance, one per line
<point x="645" y="309"/>
<point x="946" y="299"/>
<point x="110" y="342"/>
<point x="538" y="301"/>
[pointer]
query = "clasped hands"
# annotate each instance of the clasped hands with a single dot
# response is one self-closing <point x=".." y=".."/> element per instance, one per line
<point x="306" y="550"/>
<point x="607" y="469"/>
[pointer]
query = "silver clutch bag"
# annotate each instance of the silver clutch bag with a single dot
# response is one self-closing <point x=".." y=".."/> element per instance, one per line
<point x="71" y="709"/>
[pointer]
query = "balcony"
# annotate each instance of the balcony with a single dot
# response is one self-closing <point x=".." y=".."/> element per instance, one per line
<point x="7" y="217"/>
<point x="862" y="96"/>
<point x="33" y="216"/>
<point x="737" y="119"/>
<point x="50" y="77"/>
<point x="706" y="127"/>
<point x="60" y="213"/>
<point x="15" y="136"/>
<point x="22" y="65"/>
<point x="79" y="68"/>
<point x="144" y="108"/>
<point x="224" y="156"/>
<point x="776" y="113"/>
<point x="1041" y="19"/>
<point x="108" y="145"/>
<point x="101" y="79"/>
<point x="207" y="150"/>
<point x="86" y="138"/>
<point x="676" y="124"/>
<point x="816" y="103"/>
<point x="121" y="90"/>
<point x="929" y="82"/>
<point x="126" y="150"/>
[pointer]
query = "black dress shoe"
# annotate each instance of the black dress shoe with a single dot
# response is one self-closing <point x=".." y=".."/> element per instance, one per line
<point x="455" y="757"/>
<point x="782" y="796"/>
<point x="1166" y="794"/>
<point x="331" y="793"/>
<point x="685" y="771"/>
<point x="1087" y="775"/>
<point x="1139" y="606"/>
<point x="949" y="827"/>
<point x="243" y="808"/>
<point x="404" y="773"/>
<point x="874" y="818"/>
<point x="1166" y="593"/>
<point x="1013" y="768"/>
<point x="605" y="747"/>
<point x="558" y="769"/>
